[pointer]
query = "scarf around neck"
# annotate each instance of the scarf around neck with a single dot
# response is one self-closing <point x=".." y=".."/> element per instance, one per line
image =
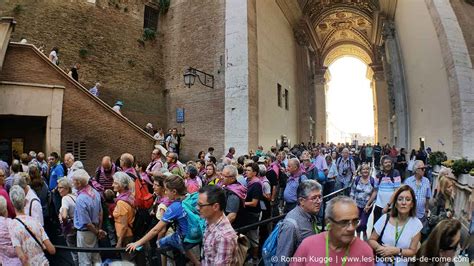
<point x="127" y="197"/>
<point x="238" y="190"/>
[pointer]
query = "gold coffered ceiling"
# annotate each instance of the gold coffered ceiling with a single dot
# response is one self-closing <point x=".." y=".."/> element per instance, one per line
<point x="330" y="27"/>
<point x="342" y="22"/>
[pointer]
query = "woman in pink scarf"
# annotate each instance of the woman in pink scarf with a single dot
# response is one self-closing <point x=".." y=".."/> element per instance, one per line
<point x="124" y="212"/>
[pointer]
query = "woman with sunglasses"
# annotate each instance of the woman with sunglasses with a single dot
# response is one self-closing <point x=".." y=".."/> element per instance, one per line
<point x="396" y="234"/>
<point x="441" y="244"/>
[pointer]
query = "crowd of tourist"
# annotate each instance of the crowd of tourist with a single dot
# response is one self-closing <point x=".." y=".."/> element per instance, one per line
<point x="160" y="209"/>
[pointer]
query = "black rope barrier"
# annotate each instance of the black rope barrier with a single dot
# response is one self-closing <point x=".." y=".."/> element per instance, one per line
<point x="238" y="230"/>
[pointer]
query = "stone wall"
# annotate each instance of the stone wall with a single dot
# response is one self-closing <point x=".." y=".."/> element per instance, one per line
<point x="84" y="118"/>
<point x="429" y="104"/>
<point x="277" y="64"/>
<point x="193" y="35"/>
<point x="106" y="32"/>
<point x="464" y="12"/>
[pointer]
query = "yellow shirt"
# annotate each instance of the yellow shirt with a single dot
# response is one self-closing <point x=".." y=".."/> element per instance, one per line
<point x="124" y="209"/>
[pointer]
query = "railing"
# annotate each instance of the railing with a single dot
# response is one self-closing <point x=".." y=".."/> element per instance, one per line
<point x="326" y="198"/>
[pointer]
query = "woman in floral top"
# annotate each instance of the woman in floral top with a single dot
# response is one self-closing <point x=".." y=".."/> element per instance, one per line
<point x="27" y="249"/>
<point x="7" y="252"/>
<point x="361" y="192"/>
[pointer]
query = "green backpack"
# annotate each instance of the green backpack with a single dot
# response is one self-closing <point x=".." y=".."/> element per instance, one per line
<point x="196" y="224"/>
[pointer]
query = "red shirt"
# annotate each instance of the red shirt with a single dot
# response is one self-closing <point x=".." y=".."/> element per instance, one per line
<point x="10" y="208"/>
<point x="312" y="251"/>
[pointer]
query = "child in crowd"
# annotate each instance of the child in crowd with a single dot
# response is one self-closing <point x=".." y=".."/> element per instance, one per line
<point x="175" y="190"/>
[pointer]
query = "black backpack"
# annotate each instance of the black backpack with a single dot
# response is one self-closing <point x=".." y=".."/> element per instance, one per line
<point x="339" y="160"/>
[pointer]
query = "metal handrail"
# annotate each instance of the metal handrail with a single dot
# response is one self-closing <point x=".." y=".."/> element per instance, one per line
<point x="238" y="230"/>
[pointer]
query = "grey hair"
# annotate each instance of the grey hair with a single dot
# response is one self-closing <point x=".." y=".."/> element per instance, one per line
<point x="232" y="170"/>
<point x="345" y="150"/>
<point x="69" y="155"/>
<point x="329" y="212"/>
<point x="173" y="155"/>
<point x="17" y="195"/>
<point x="21" y="179"/>
<point x="32" y="154"/>
<point x="81" y="175"/>
<point x="295" y="161"/>
<point x="32" y="167"/>
<point x="263" y="169"/>
<point x="220" y="167"/>
<point x="306" y="187"/>
<point x="123" y="179"/>
<point x="65" y="183"/>
<point x="77" y="165"/>
<point x="416" y="164"/>
<point x="3" y="206"/>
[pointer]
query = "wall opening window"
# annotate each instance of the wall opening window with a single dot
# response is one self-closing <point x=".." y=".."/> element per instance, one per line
<point x="279" y="94"/>
<point x="286" y="99"/>
<point x="150" y="20"/>
<point x="78" y="149"/>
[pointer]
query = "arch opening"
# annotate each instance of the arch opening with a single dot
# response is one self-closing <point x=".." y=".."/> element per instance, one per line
<point x="349" y="100"/>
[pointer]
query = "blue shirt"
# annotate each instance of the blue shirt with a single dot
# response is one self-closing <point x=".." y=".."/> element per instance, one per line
<point x="385" y="187"/>
<point x="176" y="213"/>
<point x="422" y="193"/>
<point x="87" y="210"/>
<point x="292" y="184"/>
<point x="56" y="173"/>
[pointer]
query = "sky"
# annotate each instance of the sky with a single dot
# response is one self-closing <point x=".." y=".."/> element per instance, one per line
<point x="349" y="100"/>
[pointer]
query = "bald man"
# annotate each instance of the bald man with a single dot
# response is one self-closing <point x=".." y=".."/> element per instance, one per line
<point x="104" y="173"/>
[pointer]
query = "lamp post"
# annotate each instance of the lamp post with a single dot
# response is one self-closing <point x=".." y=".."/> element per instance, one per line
<point x="205" y="79"/>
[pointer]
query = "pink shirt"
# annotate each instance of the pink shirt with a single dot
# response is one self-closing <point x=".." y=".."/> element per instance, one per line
<point x="312" y="251"/>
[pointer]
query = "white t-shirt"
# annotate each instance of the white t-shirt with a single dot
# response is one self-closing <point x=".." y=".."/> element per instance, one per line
<point x="69" y="204"/>
<point x="412" y="227"/>
<point x="54" y="57"/>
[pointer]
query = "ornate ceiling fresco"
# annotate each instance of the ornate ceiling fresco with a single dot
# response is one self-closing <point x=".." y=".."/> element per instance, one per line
<point x="335" y="23"/>
<point x="330" y="27"/>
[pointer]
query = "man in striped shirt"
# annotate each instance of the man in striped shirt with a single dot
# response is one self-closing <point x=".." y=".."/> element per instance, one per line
<point x="386" y="182"/>
<point x="220" y="239"/>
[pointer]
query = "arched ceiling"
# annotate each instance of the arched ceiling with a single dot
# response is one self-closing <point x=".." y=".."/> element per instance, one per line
<point x="341" y="23"/>
<point x="325" y="25"/>
<point x="342" y="50"/>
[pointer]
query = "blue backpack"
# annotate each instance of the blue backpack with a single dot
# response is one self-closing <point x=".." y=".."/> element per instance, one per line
<point x="196" y="224"/>
<point x="269" y="248"/>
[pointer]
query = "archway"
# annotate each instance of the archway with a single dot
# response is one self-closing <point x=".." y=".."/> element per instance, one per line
<point x="349" y="102"/>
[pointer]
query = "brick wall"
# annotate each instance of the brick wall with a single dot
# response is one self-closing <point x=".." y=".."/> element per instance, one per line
<point x="84" y="118"/>
<point x="193" y="35"/>
<point x="108" y="33"/>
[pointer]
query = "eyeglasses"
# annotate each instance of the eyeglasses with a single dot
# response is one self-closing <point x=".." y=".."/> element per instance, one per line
<point x="203" y="205"/>
<point x="228" y="176"/>
<point x="346" y="223"/>
<point x="421" y="168"/>
<point x="402" y="199"/>
<point x="315" y="199"/>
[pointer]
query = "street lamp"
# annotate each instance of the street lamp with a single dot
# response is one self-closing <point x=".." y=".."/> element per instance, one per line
<point x="190" y="76"/>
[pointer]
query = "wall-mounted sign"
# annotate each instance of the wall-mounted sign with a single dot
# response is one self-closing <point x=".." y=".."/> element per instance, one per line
<point x="179" y="115"/>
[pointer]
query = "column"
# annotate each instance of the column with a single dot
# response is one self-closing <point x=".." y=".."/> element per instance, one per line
<point x="236" y="77"/>
<point x="320" y="107"/>
<point x="381" y="105"/>
<point x="395" y="77"/>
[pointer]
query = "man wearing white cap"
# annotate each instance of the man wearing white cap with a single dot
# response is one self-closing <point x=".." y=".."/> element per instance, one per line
<point x="118" y="105"/>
